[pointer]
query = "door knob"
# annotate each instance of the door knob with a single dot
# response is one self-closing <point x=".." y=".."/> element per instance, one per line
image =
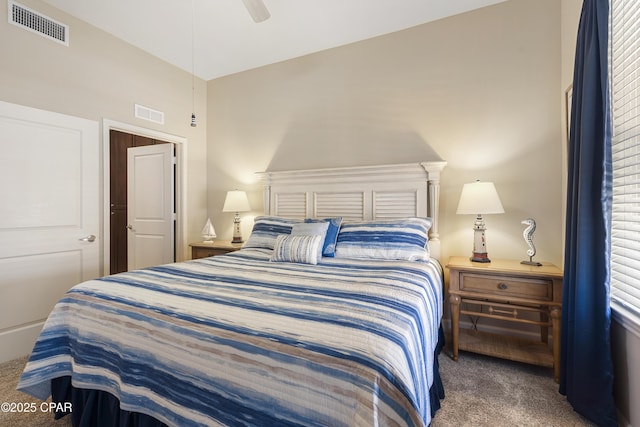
<point x="90" y="238"/>
<point x="129" y="227"/>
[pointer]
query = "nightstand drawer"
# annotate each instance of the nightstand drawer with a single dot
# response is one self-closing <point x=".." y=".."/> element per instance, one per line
<point x="207" y="252"/>
<point x="208" y="249"/>
<point x="525" y="287"/>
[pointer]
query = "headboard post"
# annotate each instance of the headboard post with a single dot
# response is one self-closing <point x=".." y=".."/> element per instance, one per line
<point x="358" y="193"/>
<point x="266" y="192"/>
<point x="433" y="170"/>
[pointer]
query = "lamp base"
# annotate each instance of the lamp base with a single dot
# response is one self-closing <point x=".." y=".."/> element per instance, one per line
<point x="237" y="235"/>
<point x="480" y="257"/>
<point x="479" y="253"/>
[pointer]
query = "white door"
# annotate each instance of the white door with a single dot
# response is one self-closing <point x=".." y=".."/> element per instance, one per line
<point x="150" y="205"/>
<point x="49" y="217"/>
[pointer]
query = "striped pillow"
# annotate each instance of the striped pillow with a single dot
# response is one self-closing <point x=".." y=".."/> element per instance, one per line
<point x="401" y="239"/>
<point x="311" y="229"/>
<point x="267" y="228"/>
<point x="298" y="248"/>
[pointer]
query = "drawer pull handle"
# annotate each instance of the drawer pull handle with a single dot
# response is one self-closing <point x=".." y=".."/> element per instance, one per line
<point x="502" y="286"/>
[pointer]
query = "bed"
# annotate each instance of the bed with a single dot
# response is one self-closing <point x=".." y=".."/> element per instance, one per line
<point x="300" y="327"/>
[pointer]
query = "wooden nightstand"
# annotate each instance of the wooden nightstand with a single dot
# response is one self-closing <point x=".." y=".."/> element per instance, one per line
<point x="217" y="247"/>
<point x="506" y="289"/>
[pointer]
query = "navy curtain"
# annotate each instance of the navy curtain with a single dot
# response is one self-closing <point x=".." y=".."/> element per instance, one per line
<point x="586" y="368"/>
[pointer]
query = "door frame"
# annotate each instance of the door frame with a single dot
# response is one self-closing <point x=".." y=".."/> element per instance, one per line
<point x="180" y="144"/>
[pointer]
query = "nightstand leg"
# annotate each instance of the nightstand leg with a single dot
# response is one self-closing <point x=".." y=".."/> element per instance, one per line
<point x="544" y="330"/>
<point x="455" y="322"/>
<point x="556" y="314"/>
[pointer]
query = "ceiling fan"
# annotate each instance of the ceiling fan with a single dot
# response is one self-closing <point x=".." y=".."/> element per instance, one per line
<point x="257" y="10"/>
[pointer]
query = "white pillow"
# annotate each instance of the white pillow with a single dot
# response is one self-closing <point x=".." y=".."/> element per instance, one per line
<point x="310" y="228"/>
<point x="329" y="246"/>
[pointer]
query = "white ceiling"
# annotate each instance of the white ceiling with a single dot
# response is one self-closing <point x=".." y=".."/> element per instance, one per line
<point x="228" y="41"/>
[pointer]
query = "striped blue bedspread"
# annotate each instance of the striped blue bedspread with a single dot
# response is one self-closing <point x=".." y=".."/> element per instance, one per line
<point x="239" y="340"/>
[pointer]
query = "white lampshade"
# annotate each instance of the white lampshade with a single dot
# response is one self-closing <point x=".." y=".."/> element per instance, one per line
<point x="236" y="201"/>
<point x="479" y="198"/>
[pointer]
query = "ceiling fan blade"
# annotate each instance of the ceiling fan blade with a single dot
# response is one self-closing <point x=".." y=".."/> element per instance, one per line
<point x="257" y="10"/>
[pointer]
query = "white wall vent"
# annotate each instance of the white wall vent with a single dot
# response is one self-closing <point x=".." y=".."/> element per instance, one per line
<point x="35" y="22"/>
<point x="146" y="113"/>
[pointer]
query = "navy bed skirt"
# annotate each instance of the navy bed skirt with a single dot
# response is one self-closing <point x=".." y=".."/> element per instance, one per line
<point x="93" y="408"/>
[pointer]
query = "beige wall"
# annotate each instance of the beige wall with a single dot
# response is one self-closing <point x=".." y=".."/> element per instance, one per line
<point x="479" y="90"/>
<point x="483" y="90"/>
<point x="570" y="16"/>
<point x="100" y="77"/>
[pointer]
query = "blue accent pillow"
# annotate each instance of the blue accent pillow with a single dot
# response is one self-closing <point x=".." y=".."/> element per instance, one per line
<point x="267" y="228"/>
<point x="401" y="239"/>
<point x="329" y="246"/>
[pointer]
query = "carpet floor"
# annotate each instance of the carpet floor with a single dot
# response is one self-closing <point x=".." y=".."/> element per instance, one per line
<point x="480" y="391"/>
<point x="487" y="391"/>
<point x="24" y="410"/>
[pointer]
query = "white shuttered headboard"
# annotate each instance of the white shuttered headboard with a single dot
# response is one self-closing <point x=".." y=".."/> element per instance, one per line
<point x="358" y="193"/>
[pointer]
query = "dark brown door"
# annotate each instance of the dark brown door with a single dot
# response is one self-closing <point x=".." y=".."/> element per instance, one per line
<point x="119" y="142"/>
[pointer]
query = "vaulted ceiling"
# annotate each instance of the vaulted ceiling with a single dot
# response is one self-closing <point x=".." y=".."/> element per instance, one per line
<point x="214" y="38"/>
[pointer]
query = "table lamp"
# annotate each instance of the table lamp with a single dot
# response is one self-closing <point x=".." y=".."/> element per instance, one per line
<point x="236" y="201"/>
<point x="479" y="198"/>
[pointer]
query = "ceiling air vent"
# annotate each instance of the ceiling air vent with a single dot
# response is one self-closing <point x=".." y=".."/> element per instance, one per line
<point x="146" y="113"/>
<point x="37" y="23"/>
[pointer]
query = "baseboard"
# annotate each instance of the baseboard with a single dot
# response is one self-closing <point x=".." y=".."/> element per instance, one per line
<point x="19" y="341"/>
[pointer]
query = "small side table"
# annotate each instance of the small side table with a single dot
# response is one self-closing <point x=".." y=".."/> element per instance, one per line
<point x="505" y="290"/>
<point x="217" y="247"/>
